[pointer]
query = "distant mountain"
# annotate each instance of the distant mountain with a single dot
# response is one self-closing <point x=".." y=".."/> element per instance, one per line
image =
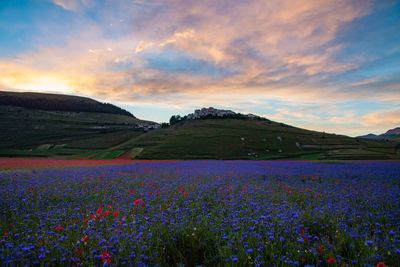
<point x="57" y="102"/>
<point x="370" y="136"/>
<point x="392" y="134"/>
<point x="395" y="131"/>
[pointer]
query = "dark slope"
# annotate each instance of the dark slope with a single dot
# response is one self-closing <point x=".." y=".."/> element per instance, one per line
<point x="57" y="102"/>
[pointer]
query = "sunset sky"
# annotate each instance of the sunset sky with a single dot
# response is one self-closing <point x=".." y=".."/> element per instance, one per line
<point x="332" y="66"/>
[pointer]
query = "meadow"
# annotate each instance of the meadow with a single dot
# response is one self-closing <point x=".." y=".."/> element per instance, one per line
<point x="209" y="213"/>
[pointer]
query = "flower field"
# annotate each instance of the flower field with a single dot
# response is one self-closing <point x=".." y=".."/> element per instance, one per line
<point x="210" y="213"/>
<point x="29" y="163"/>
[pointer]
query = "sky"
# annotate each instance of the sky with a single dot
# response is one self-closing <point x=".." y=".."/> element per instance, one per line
<point x="324" y="65"/>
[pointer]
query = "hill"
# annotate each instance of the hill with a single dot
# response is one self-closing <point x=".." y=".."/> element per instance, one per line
<point x="63" y="131"/>
<point x="57" y="102"/>
<point x="207" y="133"/>
<point x="229" y="138"/>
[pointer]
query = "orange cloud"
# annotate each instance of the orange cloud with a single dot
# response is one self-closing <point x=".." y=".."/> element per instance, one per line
<point x="383" y="119"/>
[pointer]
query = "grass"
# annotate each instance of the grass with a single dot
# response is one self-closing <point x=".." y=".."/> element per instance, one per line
<point x="246" y="139"/>
<point x="40" y="133"/>
<point x="135" y="152"/>
<point x="108" y="154"/>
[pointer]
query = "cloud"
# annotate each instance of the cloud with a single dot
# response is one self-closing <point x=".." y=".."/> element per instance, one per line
<point x="268" y="47"/>
<point x="143" y="46"/>
<point x="223" y="53"/>
<point x="73" y="5"/>
<point x="382" y="119"/>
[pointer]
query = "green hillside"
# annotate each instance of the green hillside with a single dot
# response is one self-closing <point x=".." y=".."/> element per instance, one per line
<point x="206" y="134"/>
<point x="32" y="132"/>
<point x="250" y="139"/>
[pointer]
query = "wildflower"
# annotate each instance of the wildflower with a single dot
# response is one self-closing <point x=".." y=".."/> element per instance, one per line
<point x="85" y="239"/>
<point x="381" y="264"/>
<point x="131" y="191"/>
<point x="331" y="260"/>
<point x="59" y="228"/>
<point x="107" y="213"/>
<point x="321" y="249"/>
<point x="79" y="252"/>
<point x="105" y="257"/>
<point x="369" y="242"/>
<point x="139" y="201"/>
<point x="248" y="251"/>
<point x="116" y="213"/>
<point x="234" y="259"/>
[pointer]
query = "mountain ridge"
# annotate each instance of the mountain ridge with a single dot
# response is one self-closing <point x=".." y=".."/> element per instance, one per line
<point x="390" y="134"/>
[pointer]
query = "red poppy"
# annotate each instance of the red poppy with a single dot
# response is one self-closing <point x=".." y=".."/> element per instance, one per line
<point x="139" y="201"/>
<point x="85" y="239"/>
<point x="131" y="191"/>
<point x="331" y="260"/>
<point x="59" y="228"/>
<point x="79" y="252"/>
<point x="302" y="231"/>
<point x="321" y="249"/>
<point x="183" y="191"/>
<point x="105" y="257"/>
<point x="99" y="211"/>
<point x="381" y="264"/>
<point x="116" y="213"/>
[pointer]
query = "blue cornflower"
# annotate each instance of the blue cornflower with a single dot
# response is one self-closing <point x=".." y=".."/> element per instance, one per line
<point x="234" y="259"/>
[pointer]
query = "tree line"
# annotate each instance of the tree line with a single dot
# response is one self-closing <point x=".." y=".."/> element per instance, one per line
<point x="71" y="105"/>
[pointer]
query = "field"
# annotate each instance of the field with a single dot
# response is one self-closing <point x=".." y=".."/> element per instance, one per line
<point x="252" y="139"/>
<point x="209" y="213"/>
<point x="41" y="133"/>
<point x="39" y="163"/>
